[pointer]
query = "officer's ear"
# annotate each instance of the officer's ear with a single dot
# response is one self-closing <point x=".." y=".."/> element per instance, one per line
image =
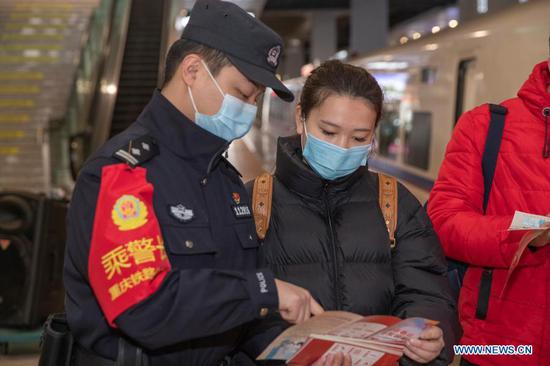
<point x="189" y="69"/>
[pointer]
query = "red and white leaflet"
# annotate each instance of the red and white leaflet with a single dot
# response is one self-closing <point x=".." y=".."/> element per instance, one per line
<point x="523" y="244"/>
<point x="317" y="349"/>
<point x="399" y="333"/>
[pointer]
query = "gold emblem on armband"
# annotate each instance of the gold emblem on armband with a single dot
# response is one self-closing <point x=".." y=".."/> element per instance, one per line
<point x="129" y="213"/>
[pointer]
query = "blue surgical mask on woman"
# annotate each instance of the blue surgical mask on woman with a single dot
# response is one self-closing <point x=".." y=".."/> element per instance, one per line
<point x="232" y="121"/>
<point x="331" y="161"/>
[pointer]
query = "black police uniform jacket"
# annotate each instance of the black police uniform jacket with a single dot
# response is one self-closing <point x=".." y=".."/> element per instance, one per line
<point x="330" y="238"/>
<point x="161" y="245"/>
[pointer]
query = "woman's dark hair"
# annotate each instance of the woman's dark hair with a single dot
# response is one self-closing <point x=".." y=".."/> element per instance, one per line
<point x="336" y="78"/>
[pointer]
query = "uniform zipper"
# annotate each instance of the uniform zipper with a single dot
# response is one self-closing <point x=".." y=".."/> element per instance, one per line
<point x="335" y="268"/>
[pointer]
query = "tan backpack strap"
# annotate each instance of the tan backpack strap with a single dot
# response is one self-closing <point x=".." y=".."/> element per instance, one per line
<point x="388" y="203"/>
<point x="262" y="196"/>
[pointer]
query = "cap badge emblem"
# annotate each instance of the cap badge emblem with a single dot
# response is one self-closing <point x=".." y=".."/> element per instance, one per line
<point x="273" y="56"/>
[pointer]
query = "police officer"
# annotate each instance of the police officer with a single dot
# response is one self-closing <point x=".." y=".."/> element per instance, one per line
<point x="161" y="256"/>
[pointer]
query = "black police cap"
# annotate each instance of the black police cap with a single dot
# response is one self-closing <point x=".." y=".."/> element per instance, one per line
<point x="251" y="46"/>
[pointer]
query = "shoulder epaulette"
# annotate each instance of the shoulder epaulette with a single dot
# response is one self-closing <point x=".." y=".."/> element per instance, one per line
<point x="137" y="151"/>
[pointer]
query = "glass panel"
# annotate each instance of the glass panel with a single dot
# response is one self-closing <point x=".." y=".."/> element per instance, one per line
<point x="418" y="134"/>
<point x="472" y="79"/>
<point x="429" y="75"/>
<point x="393" y="85"/>
<point x="463" y="86"/>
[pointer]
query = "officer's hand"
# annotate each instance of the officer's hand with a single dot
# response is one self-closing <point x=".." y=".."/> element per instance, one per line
<point x="427" y="347"/>
<point x="544" y="238"/>
<point x="338" y="359"/>
<point x="295" y="303"/>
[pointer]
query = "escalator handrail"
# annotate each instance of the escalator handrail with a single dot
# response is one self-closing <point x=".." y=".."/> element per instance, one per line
<point x="106" y="93"/>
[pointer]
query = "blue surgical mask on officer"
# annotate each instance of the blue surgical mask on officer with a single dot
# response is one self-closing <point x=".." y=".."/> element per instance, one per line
<point x="232" y="121"/>
<point x="331" y="161"/>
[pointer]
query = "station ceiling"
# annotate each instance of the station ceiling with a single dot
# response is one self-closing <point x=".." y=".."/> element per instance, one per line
<point x="400" y="10"/>
<point x="292" y="18"/>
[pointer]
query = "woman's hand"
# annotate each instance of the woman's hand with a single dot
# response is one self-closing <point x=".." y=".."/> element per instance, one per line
<point x="338" y="359"/>
<point x="427" y="347"/>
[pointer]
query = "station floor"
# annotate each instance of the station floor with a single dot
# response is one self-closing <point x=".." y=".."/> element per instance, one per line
<point x="21" y="355"/>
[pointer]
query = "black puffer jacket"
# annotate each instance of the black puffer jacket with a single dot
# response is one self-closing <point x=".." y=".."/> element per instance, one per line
<point x="330" y="238"/>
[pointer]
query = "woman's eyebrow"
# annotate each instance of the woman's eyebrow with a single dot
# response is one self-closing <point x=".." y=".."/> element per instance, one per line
<point x="338" y="126"/>
<point x="362" y="129"/>
<point x="330" y="123"/>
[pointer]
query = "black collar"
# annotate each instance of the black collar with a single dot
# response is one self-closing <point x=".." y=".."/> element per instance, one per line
<point x="297" y="176"/>
<point x="173" y="130"/>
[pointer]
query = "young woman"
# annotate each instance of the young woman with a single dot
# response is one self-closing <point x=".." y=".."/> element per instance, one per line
<point x="327" y="232"/>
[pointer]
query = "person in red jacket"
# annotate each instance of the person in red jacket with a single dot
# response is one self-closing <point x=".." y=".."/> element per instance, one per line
<point x="520" y="315"/>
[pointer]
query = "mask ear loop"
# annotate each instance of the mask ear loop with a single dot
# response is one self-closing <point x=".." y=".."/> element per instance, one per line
<point x="213" y="79"/>
<point x="302" y="142"/>
<point x="215" y="83"/>
<point x="192" y="99"/>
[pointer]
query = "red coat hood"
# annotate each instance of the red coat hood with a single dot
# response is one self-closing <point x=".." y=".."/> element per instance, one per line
<point x="534" y="92"/>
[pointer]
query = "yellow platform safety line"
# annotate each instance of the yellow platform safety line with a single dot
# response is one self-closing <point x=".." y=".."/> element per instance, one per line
<point x="18" y="26"/>
<point x="41" y="14"/>
<point x="12" y="134"/>
<point x="31" y="46"/>
<point x="32" y="37"/>
<point x="19" y="89"/>
<point x="41" y="5"/>
<point x="17" y="103"/>
<point x="21" y="75"/>
<point x="28" y="59"/>
<point x="14" y="118"/>
<point x="9" y="150"/>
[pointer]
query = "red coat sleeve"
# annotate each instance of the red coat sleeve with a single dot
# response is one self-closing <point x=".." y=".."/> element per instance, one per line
<point x="456" y="202"/>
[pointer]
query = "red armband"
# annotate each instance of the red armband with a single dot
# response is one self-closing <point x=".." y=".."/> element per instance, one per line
<point x="127" y="261"/>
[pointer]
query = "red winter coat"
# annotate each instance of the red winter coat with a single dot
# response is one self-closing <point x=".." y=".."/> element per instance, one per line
<point x="521" y="182"/>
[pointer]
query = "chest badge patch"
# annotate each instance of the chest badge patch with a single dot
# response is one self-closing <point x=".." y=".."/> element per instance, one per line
<point x="181" y="213"/>
<point x="129" y="213"/>
<point x="241" y="211"/>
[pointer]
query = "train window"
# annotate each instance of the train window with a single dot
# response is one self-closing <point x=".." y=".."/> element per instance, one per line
<point x="429" y="75"/>
<point x="463" y="83"/>
<point x="388" y="133"/>
<point x="417" y="140"/>
<point x="393" y="85"/>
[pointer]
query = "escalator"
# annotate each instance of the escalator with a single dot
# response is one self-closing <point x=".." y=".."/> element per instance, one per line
<point x="39" y="44"/>
<point x="140" y="64"/>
